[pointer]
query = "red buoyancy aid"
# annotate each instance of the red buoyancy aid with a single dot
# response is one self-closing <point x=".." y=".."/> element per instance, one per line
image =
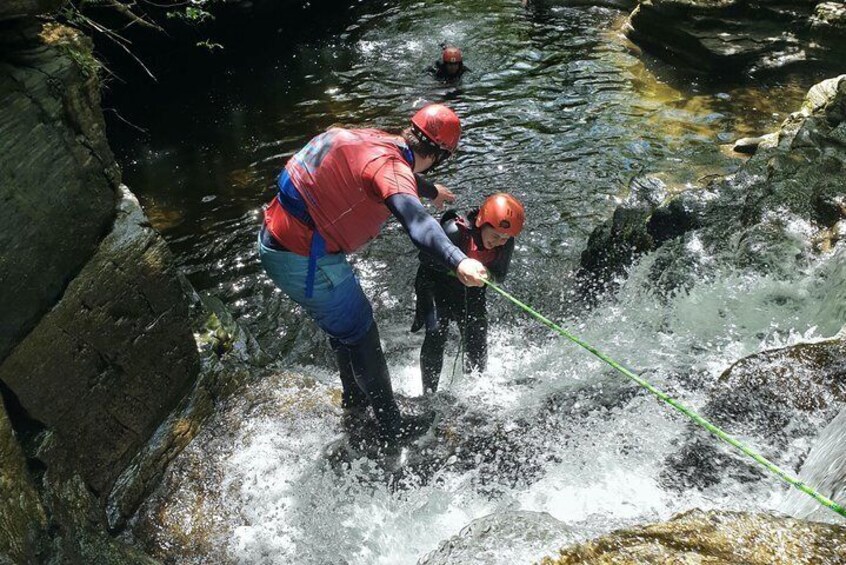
<point x="473" y="248"/>
<point x="342" y="178"/>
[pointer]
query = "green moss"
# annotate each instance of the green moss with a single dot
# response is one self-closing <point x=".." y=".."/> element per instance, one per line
<point x="75" y="45"/>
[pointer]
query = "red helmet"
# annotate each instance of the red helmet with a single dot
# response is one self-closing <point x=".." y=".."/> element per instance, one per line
<point x="452" y="55"/>
<point x="437" y="125"/>
<point x="503" y="212"/>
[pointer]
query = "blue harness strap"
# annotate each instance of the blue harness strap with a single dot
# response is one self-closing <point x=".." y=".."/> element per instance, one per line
<point x="291" y="200"/>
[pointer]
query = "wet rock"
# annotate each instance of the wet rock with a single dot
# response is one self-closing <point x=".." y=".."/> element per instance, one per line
<point x="229" y="358"/>
<point x="55" y="521"/>
<point x="807" y="376"/>
<point x="772" y="215"/>
<point x="633" y="231"/>
<point x="759" y="396"/>
<point x="734" y="36"/>
<point x="113" y="356"/>
<point x="502" y="538"/>
<point x="749" y="145"/>
<point x="190" y="516"/>
<point x="827" y="100"/>
<point x="679" y="216"/>
<point x="58" y="180"/>
<point x="625" y="5"/>
<point x="13" y="9"/>
<point x="718" y="538"/>
<point x="461" y="439"/>
<point x="829" y="17"/>
<point x="97" y="344"/>
<point x="612" y="247"/>
<point x="76" y="534"/>
<point x="22" y="519"/>
<point x="702" y="464"/>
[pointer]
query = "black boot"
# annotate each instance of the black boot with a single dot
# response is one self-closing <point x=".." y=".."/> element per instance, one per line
<point x="352" y="397"/>
<point x="371" y="374"/>
<point x="354" y="419"/>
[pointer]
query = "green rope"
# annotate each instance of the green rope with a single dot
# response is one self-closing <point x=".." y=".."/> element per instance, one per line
<point x="772" y="467"/>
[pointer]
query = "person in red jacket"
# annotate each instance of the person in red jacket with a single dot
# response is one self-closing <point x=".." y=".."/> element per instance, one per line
<point x="486" y="234"/>
<point x="334" y="196"/>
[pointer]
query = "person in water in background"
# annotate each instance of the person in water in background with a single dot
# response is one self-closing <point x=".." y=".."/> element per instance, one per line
<point x="451" y="66"/>
<point x="486" y="234"/>
<point x="333" y="197"/>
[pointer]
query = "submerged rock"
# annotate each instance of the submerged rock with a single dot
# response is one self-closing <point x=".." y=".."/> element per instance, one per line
<point x="779" y="394"/>
<point x="501" y="539"/>
<point x="625" y="5"/>
<point x="807" y="376"/>
<point x="715" y="538"/>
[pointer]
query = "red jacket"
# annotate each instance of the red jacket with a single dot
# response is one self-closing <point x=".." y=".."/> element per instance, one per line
<point x="344" y="177"/>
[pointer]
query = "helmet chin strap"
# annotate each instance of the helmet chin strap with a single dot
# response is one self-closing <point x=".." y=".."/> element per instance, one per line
<point x="429" y="168"/>
<point x="439" y="157"/>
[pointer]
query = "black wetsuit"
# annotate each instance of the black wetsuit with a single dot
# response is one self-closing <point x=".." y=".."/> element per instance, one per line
<point x="441" y="298"/>
<point x="438" y="70"/>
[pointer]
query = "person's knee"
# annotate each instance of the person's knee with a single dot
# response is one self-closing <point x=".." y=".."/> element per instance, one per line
<point x="351" y="334"/>
<point x="348" y="317"/>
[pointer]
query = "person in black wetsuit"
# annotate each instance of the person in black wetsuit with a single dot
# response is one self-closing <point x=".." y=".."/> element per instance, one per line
<point x="486" y="234"/>
<point x="451" y="66"/>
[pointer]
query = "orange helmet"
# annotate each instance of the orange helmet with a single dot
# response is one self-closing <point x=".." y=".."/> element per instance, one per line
<point x="503" y="212"/>
<point x="437" y="125"/>
<point x="452" y="55"/>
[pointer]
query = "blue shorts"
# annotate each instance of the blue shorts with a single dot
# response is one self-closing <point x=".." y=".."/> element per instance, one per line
<point x="338" y="304"/>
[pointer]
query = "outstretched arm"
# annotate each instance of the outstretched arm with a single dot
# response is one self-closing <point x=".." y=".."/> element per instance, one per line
<point x="424" y="230"/>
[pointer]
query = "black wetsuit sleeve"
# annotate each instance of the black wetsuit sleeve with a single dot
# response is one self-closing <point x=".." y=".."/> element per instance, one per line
<point x="499" y="267"/>
<point x="424" y="230"/>
<point x="425" y="187"/>
<point x="450" y="228"/>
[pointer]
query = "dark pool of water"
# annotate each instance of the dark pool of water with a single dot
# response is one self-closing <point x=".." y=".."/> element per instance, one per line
<point x="557" y="109"/>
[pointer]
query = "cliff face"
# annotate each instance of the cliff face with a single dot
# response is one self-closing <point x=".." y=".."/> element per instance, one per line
<point x="740" y="36"/>
<point x="96" y="343"/>
<point x="22" y="518"/>
<point x="58" y="179"/>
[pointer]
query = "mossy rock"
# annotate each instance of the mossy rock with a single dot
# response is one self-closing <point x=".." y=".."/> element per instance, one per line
<point x="714" y="538"/>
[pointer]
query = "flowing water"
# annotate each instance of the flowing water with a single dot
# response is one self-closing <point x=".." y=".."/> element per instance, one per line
<point x="558" y="110"/>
